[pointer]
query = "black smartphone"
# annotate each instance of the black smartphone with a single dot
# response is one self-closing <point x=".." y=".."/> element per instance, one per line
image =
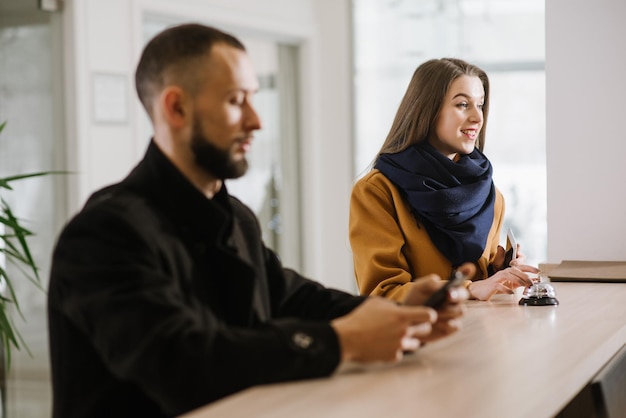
<point x="437" y="299"/>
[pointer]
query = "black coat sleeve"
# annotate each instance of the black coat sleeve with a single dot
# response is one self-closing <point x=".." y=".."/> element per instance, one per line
<point x="125" y="323"/>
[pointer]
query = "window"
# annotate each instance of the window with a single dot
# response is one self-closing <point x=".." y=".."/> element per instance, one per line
<point x="32" y="106"/>
<point x="506" y="39"/>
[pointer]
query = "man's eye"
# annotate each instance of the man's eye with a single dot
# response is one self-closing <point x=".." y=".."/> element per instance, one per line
<point x="237" y="100"/>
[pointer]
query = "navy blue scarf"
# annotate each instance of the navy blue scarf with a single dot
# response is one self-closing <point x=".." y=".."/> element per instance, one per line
<point x="453" y="200"/>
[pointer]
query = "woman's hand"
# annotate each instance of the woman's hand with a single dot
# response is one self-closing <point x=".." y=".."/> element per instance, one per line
<point x="504" y="281"/>
<point x="498" y="260"/>
<point x="520" y="260"/>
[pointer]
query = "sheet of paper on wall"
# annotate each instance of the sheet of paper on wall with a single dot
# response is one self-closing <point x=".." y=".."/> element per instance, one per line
<point x="589" y="271"/>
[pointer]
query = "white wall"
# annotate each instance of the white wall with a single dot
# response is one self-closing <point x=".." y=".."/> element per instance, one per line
<point x="98" y="153"/>
<point x="586" y="139"/>
<point x="104" y="36"/>
<point x="330" y="148"/>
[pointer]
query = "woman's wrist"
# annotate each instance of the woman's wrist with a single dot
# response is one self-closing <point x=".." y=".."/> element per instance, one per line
<point x="469" y="289"/>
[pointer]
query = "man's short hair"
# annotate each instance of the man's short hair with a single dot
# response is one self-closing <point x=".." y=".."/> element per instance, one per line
<point x="171" y="54"/>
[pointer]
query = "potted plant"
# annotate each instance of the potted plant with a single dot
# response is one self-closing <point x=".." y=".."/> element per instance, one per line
<point x="14" y="251"/>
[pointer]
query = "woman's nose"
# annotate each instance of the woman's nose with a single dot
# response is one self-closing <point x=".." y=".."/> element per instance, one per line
<point x="476" y="115"/>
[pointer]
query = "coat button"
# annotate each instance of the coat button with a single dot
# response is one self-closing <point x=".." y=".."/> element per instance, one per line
<point x="302" y="340"/>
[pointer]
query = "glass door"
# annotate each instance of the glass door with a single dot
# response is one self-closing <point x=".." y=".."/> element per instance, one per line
<point x="271" y="187"/>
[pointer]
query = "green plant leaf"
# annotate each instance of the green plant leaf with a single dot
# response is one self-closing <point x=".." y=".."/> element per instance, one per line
<point x="20" y="235"/>
<point x="13" y="224"/>
<point x="12" y="298"/>
<point x="14" y="247"/>
<point x="4" y="182"/>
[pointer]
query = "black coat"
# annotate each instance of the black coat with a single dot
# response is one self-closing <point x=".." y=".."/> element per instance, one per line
<point x="161" y="301"/>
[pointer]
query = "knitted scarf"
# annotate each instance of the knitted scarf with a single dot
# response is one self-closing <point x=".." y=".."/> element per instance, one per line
<point x="454" y="200"/>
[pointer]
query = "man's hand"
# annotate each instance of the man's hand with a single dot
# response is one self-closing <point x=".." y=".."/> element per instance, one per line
<point x="381" y="330"/>
<point x="448" y="318"/>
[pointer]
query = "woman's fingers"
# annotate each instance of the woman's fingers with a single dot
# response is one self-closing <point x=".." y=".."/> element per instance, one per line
<point x="502" y="288"/>
<point x="522" y="278"/>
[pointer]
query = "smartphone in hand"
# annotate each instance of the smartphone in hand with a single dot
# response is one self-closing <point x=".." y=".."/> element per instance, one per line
<point x="511" y="249"/>
<point x="437" y="299"/>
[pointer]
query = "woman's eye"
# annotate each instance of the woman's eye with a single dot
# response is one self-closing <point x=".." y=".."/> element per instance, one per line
<point x="463" y="105"/>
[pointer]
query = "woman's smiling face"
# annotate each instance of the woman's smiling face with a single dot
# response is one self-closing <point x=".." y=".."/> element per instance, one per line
<point x="460" y="117"/>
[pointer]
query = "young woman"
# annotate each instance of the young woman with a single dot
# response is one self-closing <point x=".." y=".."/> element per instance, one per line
<point x="429" y="203"/>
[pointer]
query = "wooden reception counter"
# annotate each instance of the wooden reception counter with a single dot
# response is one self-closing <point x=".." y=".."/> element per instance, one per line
<point x="507" y="361"/>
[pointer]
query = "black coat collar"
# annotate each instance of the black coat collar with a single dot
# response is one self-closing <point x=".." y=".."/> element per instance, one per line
<point x="159" y="180"/>
<point x="209" y="226"/>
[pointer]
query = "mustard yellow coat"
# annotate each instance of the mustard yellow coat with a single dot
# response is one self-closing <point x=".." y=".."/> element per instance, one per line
<point x="390" y="247"/>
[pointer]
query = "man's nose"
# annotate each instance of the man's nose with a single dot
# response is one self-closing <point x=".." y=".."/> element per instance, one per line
<point x="252" y="121"/>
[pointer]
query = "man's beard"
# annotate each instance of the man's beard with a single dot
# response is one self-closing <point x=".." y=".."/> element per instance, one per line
<point x="216" y="161"/>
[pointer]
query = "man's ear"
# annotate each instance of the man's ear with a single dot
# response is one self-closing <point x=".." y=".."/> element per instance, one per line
<point x="174" y="104"/>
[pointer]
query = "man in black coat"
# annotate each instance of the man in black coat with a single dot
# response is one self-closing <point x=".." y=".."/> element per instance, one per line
<point x="162" y="295"/>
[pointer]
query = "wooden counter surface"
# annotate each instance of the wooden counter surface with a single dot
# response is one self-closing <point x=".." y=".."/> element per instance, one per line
<point x="507" y="361"/>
